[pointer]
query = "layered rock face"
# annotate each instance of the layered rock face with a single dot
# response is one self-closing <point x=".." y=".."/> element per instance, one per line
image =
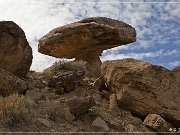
<point x="86" y="40"/>
<point x="15" y="52"/>
<point x="157" y="123"/>
<point x="143" y="88"/>
<point x="9" y="83"/>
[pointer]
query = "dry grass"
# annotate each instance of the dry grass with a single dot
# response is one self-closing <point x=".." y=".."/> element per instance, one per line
<point x="55" y="110"/>
<point x="14" y="110"/>
<point x="62" y="65"/>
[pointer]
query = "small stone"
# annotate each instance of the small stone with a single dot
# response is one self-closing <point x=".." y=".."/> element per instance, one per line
<point x="80" y="105"/>
<point x="74" y="129"/>
<point x="130" y="128"/>
<point x="113" y="106"/>
<point x="157" y="123"/>
<point x="98" y="98"/>
<point x="68" y="115"/>
<point x="45" y="122"/>
<point x="99" y="84"/>
<point x="99" y="123"/>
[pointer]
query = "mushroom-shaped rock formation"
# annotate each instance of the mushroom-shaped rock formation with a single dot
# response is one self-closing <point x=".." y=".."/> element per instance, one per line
<point x="86" y="40"/>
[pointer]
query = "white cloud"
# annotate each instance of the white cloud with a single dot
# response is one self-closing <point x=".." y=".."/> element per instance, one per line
<point x="174" y="64"/>
<point x="39" y="17"/>
<point x="140" y="56"/>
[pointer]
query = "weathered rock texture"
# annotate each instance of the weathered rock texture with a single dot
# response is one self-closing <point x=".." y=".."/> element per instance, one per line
<point x="65" y="81"/>
<point x="80" y="105"/>
<point x="9" y="83"/>
<point x="100" y="124"/>
<point x="143" y="88"/>
<point x="157" y="123"/>
<point x="86" y="40"/>
<point x="15" y="52"/>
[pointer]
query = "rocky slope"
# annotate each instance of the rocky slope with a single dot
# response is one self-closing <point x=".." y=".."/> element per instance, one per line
<point x="129" y="96"/>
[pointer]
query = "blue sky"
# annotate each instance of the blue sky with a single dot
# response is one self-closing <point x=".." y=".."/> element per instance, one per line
<point x="157" y="24"/>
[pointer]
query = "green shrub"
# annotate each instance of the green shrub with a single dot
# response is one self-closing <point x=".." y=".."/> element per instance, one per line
<point x="14" y="110"/>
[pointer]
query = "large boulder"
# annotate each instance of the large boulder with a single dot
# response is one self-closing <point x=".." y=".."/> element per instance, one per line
<point x="15" y="52"/>
<point x="65" y="81"/>
<point x="9" y="83"/>
<point x="143" y="88"/>
<point x="86" y="40"/>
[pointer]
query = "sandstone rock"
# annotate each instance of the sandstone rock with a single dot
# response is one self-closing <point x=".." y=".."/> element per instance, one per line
<point x="9" y="83"/>
<point x="111" y="120"/>
<point x="44" y="122"/>
<point x="143" y="88"/>
<point x="34" y="95"/>
<point x="65" y="81"/>
<point x="113" y="106"/>
<point x="86" y="40"/>
<point x="80" y="105"/>
<point x="68" y="115"/>
<point x="99" y="124"/>
<point x="99" y="84"/>
<point x="118" y="124"/>
<point x="15" y="53"/>
<point x="157" y="123"/>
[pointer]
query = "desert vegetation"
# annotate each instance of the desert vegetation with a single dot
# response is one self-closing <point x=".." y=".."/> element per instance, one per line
<point x="15" y="109"/>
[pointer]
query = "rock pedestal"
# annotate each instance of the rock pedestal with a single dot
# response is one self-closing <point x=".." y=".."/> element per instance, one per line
<point x="86" y="40"/>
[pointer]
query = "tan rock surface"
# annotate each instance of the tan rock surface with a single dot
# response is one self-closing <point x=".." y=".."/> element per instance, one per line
<point x="99" y="124"/>
<point x="9" y="83"/>
<point x="143" y="88"/>
<point x="15" y="52"/>
<point x="119" y="124"/>
<point x="80" y="105"/>
<point x="157" y="123"/>
<point x="86" y="39"/>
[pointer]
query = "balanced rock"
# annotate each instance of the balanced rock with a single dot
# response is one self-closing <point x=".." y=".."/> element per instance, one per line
<point x="86" y="40"/>
<point x="15" y="52"/>
<point x="9" y="83"/>
<point x="143" y="88"/>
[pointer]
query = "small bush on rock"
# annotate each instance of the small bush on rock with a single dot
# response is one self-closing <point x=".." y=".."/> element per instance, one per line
<point x="63" y="65"/>
<point x="14" y="110"/>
